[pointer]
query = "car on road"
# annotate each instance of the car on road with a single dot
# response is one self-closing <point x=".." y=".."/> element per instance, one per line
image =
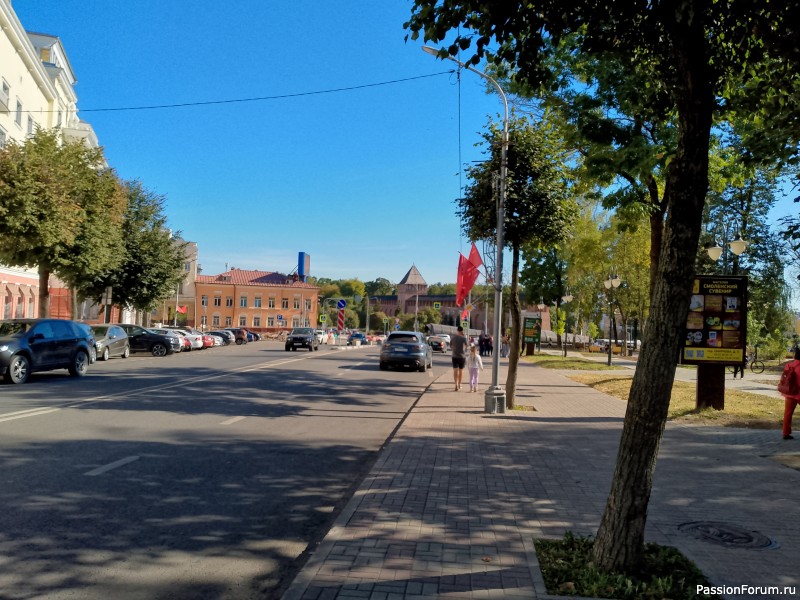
<point x="320" y="336"/>
<point x="406" y="349"/>
<point x="183" y="344"/>
<point x="30" y="345"/>
<point x="302" y="337"/>
<point x="357" y="339"/>
<point x="241" y="335"/>
<point x="157" y="344"/>
<point x="445" y="337"/>
<point x="111" y="340"/>
<point x="437" y="344"/>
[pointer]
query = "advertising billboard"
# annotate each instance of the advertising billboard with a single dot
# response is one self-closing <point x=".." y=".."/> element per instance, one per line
<point x="532" y="330"/>
<point x="716" y="326"/>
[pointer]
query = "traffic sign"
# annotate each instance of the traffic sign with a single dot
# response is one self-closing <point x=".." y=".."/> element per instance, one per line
<point x="341" y="304"/>
<point x="437" y="305"/>
<point x="280" y="317"/>
<point x="465" y="324"/>
<point x="385" y="320"/>
<point x="340" y="319"/>
<point x="323" y="318"/>
<point x="397" y="327"/>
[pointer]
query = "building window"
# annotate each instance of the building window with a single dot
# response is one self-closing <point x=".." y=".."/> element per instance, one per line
<point x="242" y="320"/>
<point x="271" y="302"/>
<point x="19" y="310"/>
<point x="243" y="301"/>
<point x="296" y="303"/>
<point x="31" y="306"/>
<point x="204" y="300"/>
<point x="217" y="301"/>
<point x="270" y="321"/>
<point x="30" y="125"/>
<point x="18" y="114"/>
<point x="203" y="321"/>
<point x="257" y="302"/>
<point x="295" y="321"/>
<point x="284" y="303"/>
<point x="228" y="300"/>
<point x="308" y="305"/>
<point x="60" y="117"/>
<point x="2" y="137"/>
<point x="215" y="320"/>
<point x="256" y="321"/>
<point x="187" y="266"/>
<point x="5" y="93"/>
<point x="228" y="321"/>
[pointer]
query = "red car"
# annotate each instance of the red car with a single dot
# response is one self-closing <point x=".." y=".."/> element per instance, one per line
<point x="208" y="341"/>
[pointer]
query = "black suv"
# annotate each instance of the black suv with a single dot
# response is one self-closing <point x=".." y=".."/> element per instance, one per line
<point x="157" y="344"/>
<point x="30" y="345"/>
<point x="302" y="337"/>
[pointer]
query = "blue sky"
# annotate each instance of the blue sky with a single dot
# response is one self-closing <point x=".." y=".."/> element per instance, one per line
<point x="364" y="180"/>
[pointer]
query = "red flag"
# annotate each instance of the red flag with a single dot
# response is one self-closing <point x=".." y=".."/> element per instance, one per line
<point x="475" y="257"/>
<point x="182" y="309"/>
<point x="467" y="276"/>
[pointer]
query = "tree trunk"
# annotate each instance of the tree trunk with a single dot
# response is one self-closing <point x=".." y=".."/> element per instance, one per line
<point x="656" y="232"/>
<point x="44" y="292"/>
<point x="620" y="538"/>
<point x="516" y="330"/>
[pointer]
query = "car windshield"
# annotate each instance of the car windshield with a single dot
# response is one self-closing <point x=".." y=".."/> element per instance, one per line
<point x="302" y="331"/>
<point x="403" y="338"/>
<point x="14" y="328"/>
<point x="100" y="330"/>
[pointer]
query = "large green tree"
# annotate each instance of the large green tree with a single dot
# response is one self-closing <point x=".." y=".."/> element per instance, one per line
<point x="60" y="210"/>
<point x="537" y="204"/>
<point x="697" y="53"/>
<point x="152" y="260"/>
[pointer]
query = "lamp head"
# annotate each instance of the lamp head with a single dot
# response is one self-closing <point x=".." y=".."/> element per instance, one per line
<point x="739" y="245"/>
<point x="432" y="51"/>
<point x="714" y="252"/>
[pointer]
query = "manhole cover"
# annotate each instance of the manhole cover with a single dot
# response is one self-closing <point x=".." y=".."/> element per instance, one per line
<point x="726" y="534"/>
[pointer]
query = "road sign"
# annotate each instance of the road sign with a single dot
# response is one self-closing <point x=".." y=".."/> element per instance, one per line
<point x="437" y="305"/>
<point x="465" y="324"/>
<point x="323" y="318"/>
<point x="397" y="327"/>
<point x="280" y="317"/>
<point x="469" y="307"/>
<point x="341" y="304"/>
<point x="385" y="320"/>
<point x="340" y="320"/>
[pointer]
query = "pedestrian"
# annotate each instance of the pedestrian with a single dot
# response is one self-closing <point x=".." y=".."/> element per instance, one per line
<point x="458" y="348"/>
<point x="791" y="400"/>
<point x="475" y="365"/>
<point x="504" y="346"/>
<point x="738" y="368"/>
<point x="489" y="345"/>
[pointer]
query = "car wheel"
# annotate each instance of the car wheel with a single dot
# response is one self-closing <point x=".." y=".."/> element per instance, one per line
<point x="287" y="348"/>
<point x="18" y="370"/>
<point x="294" y="348"/>
<point x="127" y="352"/>
<point x="423" y="367"/>
<point x="384" y="366"/>
<point x="92" y="355"/>
<point x="158" y="350"/>
<point x="105" y="355"/>
<point x="80" y="364"/>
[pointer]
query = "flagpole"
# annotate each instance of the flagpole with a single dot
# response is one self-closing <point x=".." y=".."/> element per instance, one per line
<point x="177" y="293"/>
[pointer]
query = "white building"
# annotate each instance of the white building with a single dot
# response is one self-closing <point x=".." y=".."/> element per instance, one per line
<point x="36" y="90"/>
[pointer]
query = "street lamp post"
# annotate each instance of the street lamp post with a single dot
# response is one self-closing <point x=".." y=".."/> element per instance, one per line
<point x="612" y="283"/>
<point x="495" y="397"/>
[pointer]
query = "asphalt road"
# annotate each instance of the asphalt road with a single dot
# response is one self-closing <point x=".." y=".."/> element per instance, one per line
<point x="199" y="475"/>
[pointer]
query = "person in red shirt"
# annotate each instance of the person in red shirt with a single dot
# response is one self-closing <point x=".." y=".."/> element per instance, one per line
<point x="790" y="402"/>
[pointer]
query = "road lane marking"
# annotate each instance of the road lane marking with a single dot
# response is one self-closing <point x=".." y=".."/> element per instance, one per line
<point x="232" y="421"/>
<point x="105" y="469"/>
<point x="28" y="413"/>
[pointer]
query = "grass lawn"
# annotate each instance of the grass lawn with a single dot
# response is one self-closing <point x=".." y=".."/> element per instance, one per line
<point x="742" y="409"/>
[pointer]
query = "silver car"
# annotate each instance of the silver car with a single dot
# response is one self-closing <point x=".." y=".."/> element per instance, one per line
<point x="406" y="349"/>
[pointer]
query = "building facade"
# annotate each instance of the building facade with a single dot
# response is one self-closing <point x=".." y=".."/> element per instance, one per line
<point x="259" y="300"/>
<point x="36" y="91"/>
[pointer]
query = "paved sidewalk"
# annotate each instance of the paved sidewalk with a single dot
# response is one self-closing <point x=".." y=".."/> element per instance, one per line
<point x="454" y="501"/>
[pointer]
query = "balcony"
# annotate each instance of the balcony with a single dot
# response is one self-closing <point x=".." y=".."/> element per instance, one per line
<point x="82" y="132"/>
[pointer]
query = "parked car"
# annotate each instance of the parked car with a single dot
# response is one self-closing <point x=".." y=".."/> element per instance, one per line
<point x="445" y="337"/>
<point x="437" y="344"/>
<point x="241" y="335"/>
<point x="30" y="345"/>
<point x="302" y="337"/>
<point x="227" y="336"/>
<point x="157" y="344"/>
<point x="406" y="349"/>
<point x="195" y="337"/>
<point x="183" y="343"/>
<point x="111" y="340"/>
<point x="357" y="339"/>
<point x="89" y="333"/>
<point x="320" y="334"/>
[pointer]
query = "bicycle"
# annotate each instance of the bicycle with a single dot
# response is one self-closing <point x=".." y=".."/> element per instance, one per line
<point x="750" y="361"/>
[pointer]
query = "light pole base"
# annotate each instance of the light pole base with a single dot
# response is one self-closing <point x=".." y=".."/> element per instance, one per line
<point x="494" y="400"/>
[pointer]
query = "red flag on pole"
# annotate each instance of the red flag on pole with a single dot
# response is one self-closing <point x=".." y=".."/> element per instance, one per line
<point x="182" y="309"/>
<point x="475" y="257"/>
<point x="467" y="276"/>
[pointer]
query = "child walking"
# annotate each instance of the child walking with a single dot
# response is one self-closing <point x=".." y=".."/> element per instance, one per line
<point x="474" y="364"/>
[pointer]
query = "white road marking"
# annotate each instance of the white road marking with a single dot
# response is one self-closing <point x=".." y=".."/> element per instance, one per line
<point x="119" y="463"/>
<point x="232" y="421"/>
<point x="28" y="413"/>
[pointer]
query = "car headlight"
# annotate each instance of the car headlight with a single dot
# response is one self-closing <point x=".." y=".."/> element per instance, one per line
<point x="3" y="348"/>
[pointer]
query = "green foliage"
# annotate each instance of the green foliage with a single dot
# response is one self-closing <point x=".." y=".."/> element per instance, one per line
<point x="443" y="289"/>
<point x="379" y="287"/>
<point x="152" y="261"/>
<point x="352" y="287"/>
<point x="568" y="569"/>
<point x="60" y="208"/>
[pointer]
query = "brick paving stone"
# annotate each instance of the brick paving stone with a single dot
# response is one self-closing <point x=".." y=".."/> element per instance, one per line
<point x="455" y="486"/>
